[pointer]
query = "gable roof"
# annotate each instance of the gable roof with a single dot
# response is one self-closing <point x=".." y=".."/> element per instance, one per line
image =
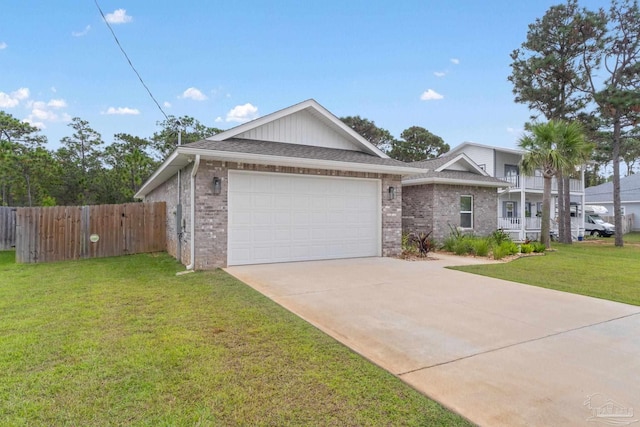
<point x="298" y="124"/>
<point x="603" y="193"/>
<point x="465" y="144"/>
<point x="456" y="169"/>
<point x="315" y="153"/>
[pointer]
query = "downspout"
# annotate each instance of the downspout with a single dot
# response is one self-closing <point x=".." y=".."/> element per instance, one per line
<point x="179" y="209"/>
<point x="192" y="227"/>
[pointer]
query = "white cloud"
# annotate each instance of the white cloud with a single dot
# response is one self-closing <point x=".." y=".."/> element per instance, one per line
<point x="455" y="61"/>
<point x="242" y="113"/>
<point x="430" y="95"/>
<point x="57" y="103"/>
<point x="3" y="45"/>
<point x="42" y="112"/>
<point x="39" y="111"/>
<point x="39" y="125"/>
<point x="119" y="16"/>
<point x="166" y="104"/>
<point x="81" y="33"/>
<point x="218" y="120"/>
<point x="193" y="93"/>
<point x="10" y="100"/>
<point x="439" y="73"/>
<point x="123" y="111"/>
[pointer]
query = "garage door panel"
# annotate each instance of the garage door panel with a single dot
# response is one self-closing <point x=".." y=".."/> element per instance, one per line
<point x="284" y="217"/>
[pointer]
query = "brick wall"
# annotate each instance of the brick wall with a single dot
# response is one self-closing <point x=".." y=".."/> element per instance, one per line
<point x="437" y="207"/>
<point x="212" y="210"/>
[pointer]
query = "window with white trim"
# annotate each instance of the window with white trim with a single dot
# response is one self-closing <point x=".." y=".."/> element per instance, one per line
<point x="466" y="211"/>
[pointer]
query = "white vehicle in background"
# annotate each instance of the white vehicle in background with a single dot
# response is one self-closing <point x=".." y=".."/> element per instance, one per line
<point x="594" y="224"/>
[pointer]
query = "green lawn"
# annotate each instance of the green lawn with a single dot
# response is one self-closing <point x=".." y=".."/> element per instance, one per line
<point x="124" y="341"/>
<point x="596" y="268"/>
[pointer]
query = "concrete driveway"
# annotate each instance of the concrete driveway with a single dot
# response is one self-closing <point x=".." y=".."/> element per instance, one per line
<point x="497" y="352"/>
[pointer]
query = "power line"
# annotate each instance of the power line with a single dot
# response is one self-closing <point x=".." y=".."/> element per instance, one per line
<point x="129" y="60"/>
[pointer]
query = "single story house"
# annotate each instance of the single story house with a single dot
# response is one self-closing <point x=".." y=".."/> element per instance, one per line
<point x="299" y="185"/>
<point x="295" y="185"/>
<point x="451" y="192"/>
<point x="602" y="195"/>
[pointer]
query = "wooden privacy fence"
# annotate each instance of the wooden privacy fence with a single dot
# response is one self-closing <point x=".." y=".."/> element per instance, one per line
<point x="75" y="232"/>
<point x="7" y="228"/>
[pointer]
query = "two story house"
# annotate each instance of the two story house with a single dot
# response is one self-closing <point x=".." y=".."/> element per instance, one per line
<point x="520" y="205"/>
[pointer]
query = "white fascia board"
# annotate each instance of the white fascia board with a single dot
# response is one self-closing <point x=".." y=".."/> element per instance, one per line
<point x="162" y="170"/>
<point x="309" y="103"/>
<point x="299" y="162"/>
<point x="434" y="180"/>
<point x="463" y="157"/>
<point x="491" y="147"/>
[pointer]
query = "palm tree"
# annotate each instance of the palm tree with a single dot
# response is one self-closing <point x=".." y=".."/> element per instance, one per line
<point x="576" y="151"/>
<point x="551" y="148"/>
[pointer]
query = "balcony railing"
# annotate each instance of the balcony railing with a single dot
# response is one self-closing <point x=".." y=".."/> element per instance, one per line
<point x="537" y="183"/>
<point x="533" y="223"/>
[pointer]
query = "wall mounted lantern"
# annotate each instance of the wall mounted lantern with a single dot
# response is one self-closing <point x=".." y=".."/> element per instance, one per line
<point x="217" y="185"/>
<point x="392" y="193"/>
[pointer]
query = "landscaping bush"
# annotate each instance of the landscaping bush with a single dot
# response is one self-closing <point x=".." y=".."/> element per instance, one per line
<point x="506" y="248"/>
<point x="481" y="247"/>
<point x="499" y="236"/>
<point x="526" y="248"/>
<point x="408" y="247"/>
<point x="463" y="246"/>
<point x="538" y="247"/>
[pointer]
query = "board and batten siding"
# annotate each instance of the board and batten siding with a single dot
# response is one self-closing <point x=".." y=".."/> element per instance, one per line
<point x="299" y="128"/>
<point x="481" y="156"/>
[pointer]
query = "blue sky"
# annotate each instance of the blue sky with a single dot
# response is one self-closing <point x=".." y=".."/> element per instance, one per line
<point x="436" y="64"/>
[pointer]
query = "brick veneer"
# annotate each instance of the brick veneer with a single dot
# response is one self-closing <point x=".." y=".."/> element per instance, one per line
<point x="212" y="210"/>
<point x="437" y="206"/>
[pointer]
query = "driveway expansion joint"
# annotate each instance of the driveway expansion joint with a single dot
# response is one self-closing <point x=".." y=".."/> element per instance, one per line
<point x="411" y="371"/>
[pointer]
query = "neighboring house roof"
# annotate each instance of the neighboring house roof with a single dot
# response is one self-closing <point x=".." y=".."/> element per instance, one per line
<point x="462" y="146"/>
<point x="603" y="193"/>
<point x="456" y="169"/>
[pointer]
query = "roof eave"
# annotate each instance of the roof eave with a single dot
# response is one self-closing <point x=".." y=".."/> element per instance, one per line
<point x="182" y="156"/>
<point x="437" y="180"/>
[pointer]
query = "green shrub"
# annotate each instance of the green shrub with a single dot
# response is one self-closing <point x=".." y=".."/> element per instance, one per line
<point x="538" y="247"/>
<point x="526" y="248"/>
<point x="499" y="236"/>
<point x="449" y="243"/>
<point x="504" y="249"/>
<point x="407" y="245"/>
<point x="481" y="247"/>
<point x="499" y="252"/>
<point x="463" y="246"/>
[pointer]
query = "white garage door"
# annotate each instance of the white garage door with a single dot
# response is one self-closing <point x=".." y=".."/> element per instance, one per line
<point x="281" y="217"/>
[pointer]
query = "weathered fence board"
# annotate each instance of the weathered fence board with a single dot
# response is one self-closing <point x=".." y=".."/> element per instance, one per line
<point x="75" y="232"/>
<point x="7" y="228"/>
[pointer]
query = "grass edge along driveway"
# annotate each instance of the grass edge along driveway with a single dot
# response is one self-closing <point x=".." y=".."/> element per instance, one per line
<point x="593" y="268"/>
<point x="125" y="341"/>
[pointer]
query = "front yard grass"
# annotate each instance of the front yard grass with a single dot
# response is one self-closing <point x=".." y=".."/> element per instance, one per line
<point x="595" y="268"/>
<point x="123" y="341"/>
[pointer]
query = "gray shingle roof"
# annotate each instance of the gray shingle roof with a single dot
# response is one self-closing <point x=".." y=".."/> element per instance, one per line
<point x="432" y="164"/>
<point x="629" y="191"/>
<point x="454" y="175"/>
<point x="280" y="149"/>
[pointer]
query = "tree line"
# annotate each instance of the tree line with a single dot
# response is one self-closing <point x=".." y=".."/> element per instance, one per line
<point x="85" y="170"/>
